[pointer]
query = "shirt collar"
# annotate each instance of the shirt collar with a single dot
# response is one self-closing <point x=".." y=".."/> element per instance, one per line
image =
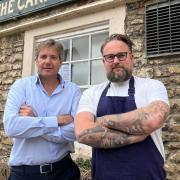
<point x="38" y="81"/>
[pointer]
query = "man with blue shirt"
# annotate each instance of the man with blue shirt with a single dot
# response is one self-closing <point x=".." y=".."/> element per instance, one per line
<point x="39" y="115"/>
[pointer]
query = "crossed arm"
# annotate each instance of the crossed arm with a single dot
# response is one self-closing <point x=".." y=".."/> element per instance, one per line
<point x="61" y="119"/>
<point x="113" y="131"/>
<point x="60" y="134"/>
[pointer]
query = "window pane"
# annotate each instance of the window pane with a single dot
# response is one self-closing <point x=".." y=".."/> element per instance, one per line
<point x="80" y="49"/>
<point x="97" y="40"/>
<point x="65" y="71"/>
<point x="66" y="45"/>
<point x="98" y="73"/>
<point x="80" y="73"/>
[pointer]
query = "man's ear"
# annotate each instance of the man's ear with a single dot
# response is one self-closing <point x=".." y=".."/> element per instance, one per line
<point x="132" y="57"/>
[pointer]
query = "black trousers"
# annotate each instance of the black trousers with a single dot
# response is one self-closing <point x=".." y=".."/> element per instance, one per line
<point x="65" y="169"/>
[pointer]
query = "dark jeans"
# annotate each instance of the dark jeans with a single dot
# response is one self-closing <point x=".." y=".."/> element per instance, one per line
<point x="67" y="170"/>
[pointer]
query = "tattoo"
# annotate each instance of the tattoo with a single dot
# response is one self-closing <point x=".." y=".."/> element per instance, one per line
<point x="101" y="137"/>
<point x="135" y="128"/>
<point x="162" y="110"/>
<point x="139" y="122"/>
<point x="114" y="131"/>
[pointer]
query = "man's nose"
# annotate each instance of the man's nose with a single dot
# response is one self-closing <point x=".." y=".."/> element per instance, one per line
<point x="48" y="59"/>
<point x="116" y="60"/>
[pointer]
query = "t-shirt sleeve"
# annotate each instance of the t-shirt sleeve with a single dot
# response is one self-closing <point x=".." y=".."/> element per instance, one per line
<point x="87" y="102"/>
<point x="157" y="91"/>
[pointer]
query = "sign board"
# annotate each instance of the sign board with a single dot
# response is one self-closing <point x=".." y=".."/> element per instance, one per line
<point x="11" y="9"/>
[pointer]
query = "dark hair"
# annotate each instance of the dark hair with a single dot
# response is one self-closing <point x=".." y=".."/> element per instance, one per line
<point x="50" y="43"/>
<point x="118" y="37"/>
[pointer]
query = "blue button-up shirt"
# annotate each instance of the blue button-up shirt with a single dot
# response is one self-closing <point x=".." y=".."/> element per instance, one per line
<point x="39" y="140"/>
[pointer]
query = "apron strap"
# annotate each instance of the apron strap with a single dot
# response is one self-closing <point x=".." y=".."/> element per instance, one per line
<point x="131" y="90"/>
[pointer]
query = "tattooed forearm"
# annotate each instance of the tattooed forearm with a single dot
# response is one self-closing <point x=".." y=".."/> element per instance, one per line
<point x="130" y="125"/>
<point x="101" y="137"/>
<point x="139" y="122"/>
<point x="137" y="126"/>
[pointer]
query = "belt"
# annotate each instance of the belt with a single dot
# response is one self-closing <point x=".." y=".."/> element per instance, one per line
<point x="43" y="168"/>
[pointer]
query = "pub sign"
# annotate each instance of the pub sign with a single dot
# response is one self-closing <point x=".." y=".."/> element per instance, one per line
<point x="11" y="9"/>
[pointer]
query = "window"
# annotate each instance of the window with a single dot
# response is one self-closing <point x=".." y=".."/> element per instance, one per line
<point x="162" y="28"/>
<point x="83" y="60"/>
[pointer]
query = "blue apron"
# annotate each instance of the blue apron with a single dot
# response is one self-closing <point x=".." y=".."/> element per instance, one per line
<point x="139" y="161"/>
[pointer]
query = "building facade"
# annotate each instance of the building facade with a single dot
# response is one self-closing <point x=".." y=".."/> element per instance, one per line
<point x="82" y="25"/>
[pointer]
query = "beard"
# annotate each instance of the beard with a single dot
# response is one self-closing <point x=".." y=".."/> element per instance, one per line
<point x="119" y="77"/>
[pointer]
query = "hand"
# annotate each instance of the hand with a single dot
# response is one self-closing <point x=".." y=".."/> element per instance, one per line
<point x="26" y="111"/>
<point x="64" y="119"/>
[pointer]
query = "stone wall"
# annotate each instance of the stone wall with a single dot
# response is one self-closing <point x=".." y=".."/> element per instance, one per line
<point x="11" y="58"/>
<point x="11" y="55"/>
<point x="166" y="69"/>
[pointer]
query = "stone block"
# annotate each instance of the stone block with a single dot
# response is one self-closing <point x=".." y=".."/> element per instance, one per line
<point x="5" y="67"/>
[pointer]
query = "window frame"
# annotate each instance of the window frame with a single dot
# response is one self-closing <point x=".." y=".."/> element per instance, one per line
<point x="77" y="34"/>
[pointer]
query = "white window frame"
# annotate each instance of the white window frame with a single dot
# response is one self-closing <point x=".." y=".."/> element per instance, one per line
<point x="80" y="33"/>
